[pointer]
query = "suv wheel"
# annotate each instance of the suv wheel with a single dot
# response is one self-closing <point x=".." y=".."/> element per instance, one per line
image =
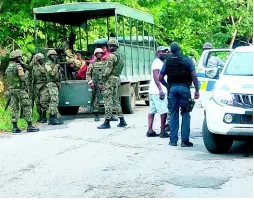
<point x="215" y="143"/>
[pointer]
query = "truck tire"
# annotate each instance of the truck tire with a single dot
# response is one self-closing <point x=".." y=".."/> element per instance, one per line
<point x="215" y="143"/>
<point x="71" y="110"/>
<point x="128" y="103"/>
<point x="147" y="102"/>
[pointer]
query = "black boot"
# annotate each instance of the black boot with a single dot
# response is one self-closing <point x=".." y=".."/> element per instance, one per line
<point x="43" y="117"/>
<point x="122" y="122"/>
<point x="31" y="128"/>
<point x="54" y="121"/>
<point x="97" y="117"/>
<point x="15" y="128"/>
<point x="105" y="125"/>
<point x="113" y="118"/>
<point x="40" y="116"/>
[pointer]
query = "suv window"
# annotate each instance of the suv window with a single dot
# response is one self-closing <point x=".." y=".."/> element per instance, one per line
<point x="240" y="64"/>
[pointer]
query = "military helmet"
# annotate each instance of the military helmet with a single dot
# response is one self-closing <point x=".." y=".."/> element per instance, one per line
<point x="207" y="45"/>
<point x="113" y="42"/>
<point x="51" y="52"/>
<point x="98" y="50"/>
<point x="15" y="54"/>
<point x="39" y="56"/>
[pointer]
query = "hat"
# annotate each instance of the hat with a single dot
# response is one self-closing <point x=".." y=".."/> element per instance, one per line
<point x="161" y="48"/>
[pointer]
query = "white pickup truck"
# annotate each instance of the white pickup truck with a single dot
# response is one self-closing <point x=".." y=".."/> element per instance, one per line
<point x="229" y="110"/>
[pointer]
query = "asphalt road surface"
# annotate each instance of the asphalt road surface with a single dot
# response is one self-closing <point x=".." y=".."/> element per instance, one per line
<point x="78" y="160"/>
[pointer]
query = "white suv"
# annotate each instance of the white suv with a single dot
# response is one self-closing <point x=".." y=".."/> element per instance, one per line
<point x="229" y="112"/>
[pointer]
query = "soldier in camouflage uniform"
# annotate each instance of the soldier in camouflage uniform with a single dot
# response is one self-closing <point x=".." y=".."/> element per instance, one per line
<point x="17" y="80"/>
<point x="113" y="69"/>
<point x="39" y="84"/>
<point x="94" y="77"/>
<point x="53" y="77"/>
<point x="32" y="92"/>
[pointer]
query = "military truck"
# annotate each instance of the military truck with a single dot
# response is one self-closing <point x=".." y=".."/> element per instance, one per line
<point x="134" y="31"/>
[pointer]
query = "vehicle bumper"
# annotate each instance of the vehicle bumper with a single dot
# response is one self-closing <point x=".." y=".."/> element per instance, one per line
<point x="215" y="120"/>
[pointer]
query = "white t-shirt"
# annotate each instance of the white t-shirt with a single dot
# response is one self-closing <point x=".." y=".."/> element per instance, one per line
<point x="153" y="89"/>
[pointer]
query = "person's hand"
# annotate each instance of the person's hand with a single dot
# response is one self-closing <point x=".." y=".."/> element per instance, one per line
<point x="91" y="85"/>
<point x="162" y="95"/>
<point x="196" y="95"/>
<point x="101" y="86"/>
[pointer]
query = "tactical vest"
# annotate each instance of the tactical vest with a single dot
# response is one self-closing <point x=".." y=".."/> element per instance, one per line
<point x="177" y="70"/>
<point x="13" y="79"/>
<point x="117" y="70"/>
<point x="40" y="75"/>
<point x="98" y="70"/>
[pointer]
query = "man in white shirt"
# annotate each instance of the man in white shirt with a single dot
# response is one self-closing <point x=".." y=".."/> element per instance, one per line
<point x="157" y="95"/>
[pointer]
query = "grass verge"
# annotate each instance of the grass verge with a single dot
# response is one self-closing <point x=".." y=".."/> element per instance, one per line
<point x="5" y="121"/>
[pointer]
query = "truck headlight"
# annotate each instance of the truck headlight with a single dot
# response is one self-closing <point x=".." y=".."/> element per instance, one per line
<point x="222" y="97"/>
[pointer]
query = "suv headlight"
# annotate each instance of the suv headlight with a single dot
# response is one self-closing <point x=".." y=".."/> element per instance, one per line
<point x="222" y="96"/>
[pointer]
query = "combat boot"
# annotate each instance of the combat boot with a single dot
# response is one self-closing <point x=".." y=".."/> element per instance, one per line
<point x="54" y="121"/>
<point x="113" y="118"/>
<point x="122" y="122"/>
<point x="40" y="116"/>
<point x="97" y="117"/>
<point x="105" y="125"/>
<point x="43" y="117"/>
<point x="31" y="128"/>
<point x="15" y="128"/>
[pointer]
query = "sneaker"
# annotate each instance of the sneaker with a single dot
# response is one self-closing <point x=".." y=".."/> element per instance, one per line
<point x="172" y="144"/>
<point x="187" y="144"/>
<point x="152" y="134"/>
<point x="164" y="134"/>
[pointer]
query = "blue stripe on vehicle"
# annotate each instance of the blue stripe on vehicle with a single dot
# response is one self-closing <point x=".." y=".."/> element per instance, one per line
<point x="199" y="74"/>
<point x="210" y="85"/>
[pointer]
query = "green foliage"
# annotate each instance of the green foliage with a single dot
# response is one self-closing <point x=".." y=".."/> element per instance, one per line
<point x="189" y="22"/>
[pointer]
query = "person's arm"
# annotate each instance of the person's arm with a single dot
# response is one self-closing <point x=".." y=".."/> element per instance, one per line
<point x="109" y="65"/>
<point x="162" y="75"/>
<point x="194" y="78"/>
<point x="220" y="62"/>
<point x="21" y="73"/>
<point x="89" y="74"/>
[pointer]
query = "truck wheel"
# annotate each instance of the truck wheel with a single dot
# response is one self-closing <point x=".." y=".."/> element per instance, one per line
<point x="71" y="110"/>
<point x="215" y="143"/>
<point x="128" y="103"/>
<point x="147" y="102"/>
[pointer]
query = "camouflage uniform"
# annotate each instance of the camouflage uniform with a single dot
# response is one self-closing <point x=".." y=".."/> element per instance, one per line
<point x="53" y="76"/>
<point x="113" y="69"/>
<point x="17" y="79"/>
<point x="94" y="74"/>
<point x="72" y="59"/>
<point x="40" y="82"/>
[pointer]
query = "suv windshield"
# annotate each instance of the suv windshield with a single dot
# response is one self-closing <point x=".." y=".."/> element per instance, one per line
<point x="240" y="64"/>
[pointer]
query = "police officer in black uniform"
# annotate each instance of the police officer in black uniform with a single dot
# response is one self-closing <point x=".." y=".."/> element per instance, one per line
<point x="181" y="73"/>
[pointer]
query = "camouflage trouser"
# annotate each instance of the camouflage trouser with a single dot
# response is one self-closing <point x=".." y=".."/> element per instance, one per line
<point x="53" y="95"/>
<point x="37" y="103"/>
<point x="109" y="96"/>
<point x="44" y="98"/>
<point x="20" y="98"/>
<point x="95" y="103"/>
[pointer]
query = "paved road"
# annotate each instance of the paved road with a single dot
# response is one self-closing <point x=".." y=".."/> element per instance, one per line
<point x="78" y="160"/>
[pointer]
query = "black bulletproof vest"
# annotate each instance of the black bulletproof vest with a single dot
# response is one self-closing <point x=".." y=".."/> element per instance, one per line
<point x="177" y="70"/>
